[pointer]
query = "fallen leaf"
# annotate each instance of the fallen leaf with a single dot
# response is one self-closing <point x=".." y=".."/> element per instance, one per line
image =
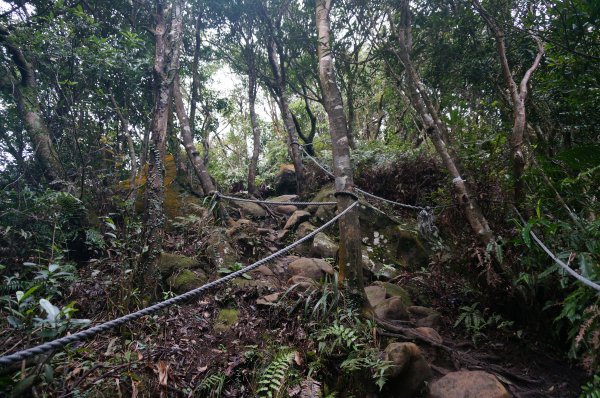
<point x="297" y="358"/>
<point x="202" y="369"/>
<point x="163" y="371"/>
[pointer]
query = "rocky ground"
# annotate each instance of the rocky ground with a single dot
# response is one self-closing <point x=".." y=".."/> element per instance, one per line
<point x="224" y="343"/>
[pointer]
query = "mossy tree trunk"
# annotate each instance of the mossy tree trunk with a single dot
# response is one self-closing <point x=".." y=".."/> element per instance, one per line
<point x="28" y="106"/>
<point x="350" y="257"/>
<point x="166" y="66"/>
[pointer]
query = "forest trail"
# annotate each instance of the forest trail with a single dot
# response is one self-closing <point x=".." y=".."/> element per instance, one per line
<point x="213" y="344"/>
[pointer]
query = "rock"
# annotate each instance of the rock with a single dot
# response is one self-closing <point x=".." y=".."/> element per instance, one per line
<point x="285" y="180"/>
<point x="253" y="210"/>
<point x="304" y="229"/>
<point x="298" y="217"/>
<point x="303" y="282"/>
<point x="409" y="370"/>
<point x="284" y="198"/>
<point x="226" y="319"/>
<point x="323" y="246"/>
<point x="170" y="263"/>
<point x="375" y="294"/>
<point x="218" y="249"/>
<point x="392" y="309"/>
<point x="264" y="270"/>
<point x="285" y="209"/>
<point x="468" y="384"/>
<point x="429" y="333"/>
<point x="324" y="195"/>
<point x="186" y="280"/>
<point x="313" y="268"/>
<point x="309" y="388"/>
<point x="392" y="290"/>
<point x="269" y="299"/>
<point x="430" y="321"/>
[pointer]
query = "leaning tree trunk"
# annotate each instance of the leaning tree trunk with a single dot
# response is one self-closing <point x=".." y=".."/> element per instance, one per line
<point x="518" y="96"/>
<point x="28" y="106"/>
<point x="477" y="221"/>
<point x="188" y="140"/>
<point x="166" y="66"/>
<point x="252" y="87"/>
<point x="350" y="255"/>
<point x="278" y="70"/>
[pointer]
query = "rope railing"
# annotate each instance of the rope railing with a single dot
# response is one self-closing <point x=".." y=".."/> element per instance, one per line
<point x="557" y="260"/>
<point x="363" y="192"/>
<point x="90" y="332"/>
<point x="274" y="203"/>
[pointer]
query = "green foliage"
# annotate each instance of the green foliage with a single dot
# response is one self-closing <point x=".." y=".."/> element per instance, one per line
<point x="591" y="389"/>
<point x="212" y="385"/>
<point x="273" y="378"/>
<point x="476" y="322"/>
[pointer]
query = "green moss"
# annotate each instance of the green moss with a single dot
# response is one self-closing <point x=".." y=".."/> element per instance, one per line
<point x="226" y="318"/>
<point x="170" y="263"/>
<point x="186" y="280"/>
<point x="392" y="290"/>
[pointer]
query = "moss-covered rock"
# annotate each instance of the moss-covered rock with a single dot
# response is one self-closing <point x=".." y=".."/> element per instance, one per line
<point x="392" y="290"/>
<point x="169" y="263"/>
<point x="186" y="280"/>
<point x="226" y="319"/>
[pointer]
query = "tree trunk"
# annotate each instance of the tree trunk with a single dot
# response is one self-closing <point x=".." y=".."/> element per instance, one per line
<point x="26" y="96"/>
<point x="130" y="145"/>
<point x="476" y="220"/>
<point x="518" y="96"/>
<point x="166" y="66"/>
<point x="188" y="140"/>
<point x="253" y="123"/>
<point x="278" y="70"/>
<point x="350" y="256"/>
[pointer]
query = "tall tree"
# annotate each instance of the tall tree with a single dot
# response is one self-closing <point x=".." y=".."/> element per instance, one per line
<point x="350" y="257"/>
<point x="434" y="126"/>
<point x="25" y="93"/>
<point x="518" y="97"/>
<point x="166" y="66"/>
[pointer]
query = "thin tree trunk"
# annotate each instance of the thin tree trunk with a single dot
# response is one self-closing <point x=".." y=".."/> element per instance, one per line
<point x="518" y="95"/>
<point x="26" y="96"/>
<point x="350" y="256"/>
<point x="188" y="140"/>
<point x="195" y="74"/>
<point x="278" y="70"/>
<point x="253" y="123"/>
<point x="476" y="220"/>
<point x="130" y="145"/>
<point x="166" y="66"/>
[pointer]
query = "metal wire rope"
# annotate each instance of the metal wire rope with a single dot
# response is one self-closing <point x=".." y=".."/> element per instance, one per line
<point x="85" y="334"/>
<point x="274" y="203"/>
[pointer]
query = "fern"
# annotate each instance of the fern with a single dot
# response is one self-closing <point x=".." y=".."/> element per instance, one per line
<point x="212" y="385"/>
<point x="273" y="378"/>
<point x="339" y="338"/>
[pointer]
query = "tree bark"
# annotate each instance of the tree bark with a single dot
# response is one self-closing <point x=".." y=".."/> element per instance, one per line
<point x="130" y="145"/>
<point x="188" y="140"/>
<point x="476" y="220"/>
<point x="166" y="66"/>
<point x="28" y="106"/>
<point x="277" y="64"/>
<point x="350" y="255"/>
<point x="252" y="86"/>
<point x="518" y="96"/>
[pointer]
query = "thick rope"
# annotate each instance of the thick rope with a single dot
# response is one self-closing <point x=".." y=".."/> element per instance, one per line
<point x="274" y="203"/>
<point x="88" y="333"/>
<point x="557" y="260"/>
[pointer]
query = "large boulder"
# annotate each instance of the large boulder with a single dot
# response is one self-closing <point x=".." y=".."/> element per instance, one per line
<point x="375" y="295"/>
<point x="409" y="370"/>
<point x="323" y="246"/>
<point x="468" y="384"/>
<point x="387" y="241"/>
<point x="299" y="216"/>
<point x="218" y="250"/>
<point x="249" y="209"/>
<point x="392" y="290"/>
<point x="392" y="309"/>
<point x="285" y="180"/>
<point x="186" y="280"/>
<point x="169" y="263"/>
<point x="426" y="317"/>
<point x="284" y="209"/>
<point x="313" y="268"/>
